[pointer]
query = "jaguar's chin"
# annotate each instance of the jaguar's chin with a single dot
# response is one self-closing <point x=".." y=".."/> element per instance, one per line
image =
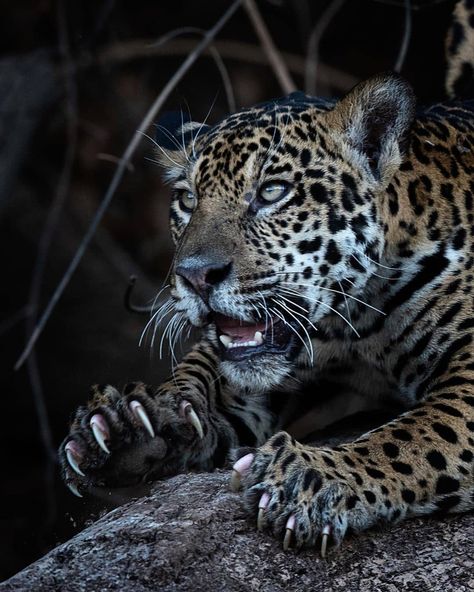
<point x="258" y="374"/>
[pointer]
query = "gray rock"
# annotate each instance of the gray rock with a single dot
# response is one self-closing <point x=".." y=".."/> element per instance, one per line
<point x="191" y="533"/>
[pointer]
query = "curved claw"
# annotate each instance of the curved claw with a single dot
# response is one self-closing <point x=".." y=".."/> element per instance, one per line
<point x="71" y="456"/>
<point x="100" y="431"/>
<point x="235" y="481"/>
<point x="240" y="468"/>
<point x="139" y="412"/>
<point x="74" y="489"/>
<point x="290" y="527"/>
<point x="262" y="505"/>
<point x="324" y="540"/>
<point x="188" y="412"/>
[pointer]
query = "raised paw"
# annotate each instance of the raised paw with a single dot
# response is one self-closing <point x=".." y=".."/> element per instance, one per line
<point x="303" y="495"/>
<point x="121" y="439"/>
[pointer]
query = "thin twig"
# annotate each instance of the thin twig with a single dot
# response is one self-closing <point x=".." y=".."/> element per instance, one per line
<point x="402" y="54"/>
<point x="229" y="49"/>
<point x="312" y="58"/>
<point x="216" y="56"/>
<point x="41" y="259"/>
<point x="121" y="168"/>
<point x="415" y="6"/>
<point x="279" y="67"/>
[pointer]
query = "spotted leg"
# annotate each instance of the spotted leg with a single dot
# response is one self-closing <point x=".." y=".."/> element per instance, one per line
<point x="417" y="464"/>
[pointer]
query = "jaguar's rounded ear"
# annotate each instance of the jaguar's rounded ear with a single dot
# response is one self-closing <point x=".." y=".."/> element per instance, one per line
<point x="175" y="138"/>
<point x="375" y="118"/>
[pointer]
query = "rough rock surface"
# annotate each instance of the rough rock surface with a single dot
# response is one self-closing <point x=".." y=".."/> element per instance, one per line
<point x="191" y="534"/>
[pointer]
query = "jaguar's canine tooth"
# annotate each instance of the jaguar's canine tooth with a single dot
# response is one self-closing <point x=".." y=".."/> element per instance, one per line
<point x="258" y="338"/>
<point x="262" y="505"/>
<point x="139" y="412"/>
<point x="225" y="340"/>
<point x="290" y="526"/>
<point x="324" y="540"/>
<point x="74" y="489"/>
<point x="71" y="459"/>
<point x="98" y="433"/>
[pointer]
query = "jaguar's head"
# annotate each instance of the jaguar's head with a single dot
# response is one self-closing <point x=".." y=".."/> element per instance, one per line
<point x="277" y="212"/>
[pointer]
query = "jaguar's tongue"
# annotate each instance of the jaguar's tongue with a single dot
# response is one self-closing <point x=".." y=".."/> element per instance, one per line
<point x="237" y="333"/>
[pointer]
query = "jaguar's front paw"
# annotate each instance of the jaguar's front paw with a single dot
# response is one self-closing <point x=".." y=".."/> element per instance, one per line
<point x="122" y="439"/>
<point x="303" y="495"/>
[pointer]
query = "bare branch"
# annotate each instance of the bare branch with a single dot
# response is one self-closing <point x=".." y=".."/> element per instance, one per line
<point x="311" y="74"/>
<point x="127" y="155"/>
<point x="228" y="49"/>
<point x="214" y="52"/>
<point x="402" y="54"/>
<point x="279" y="67"/>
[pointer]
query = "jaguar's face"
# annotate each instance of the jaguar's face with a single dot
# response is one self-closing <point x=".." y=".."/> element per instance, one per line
<point x="276" y="218"/>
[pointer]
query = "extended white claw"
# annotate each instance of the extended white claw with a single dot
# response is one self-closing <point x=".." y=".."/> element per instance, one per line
<point x="290" y="527"/>
<point x="97" y="427"/>
<point x="71" y="459"/>
<point x="324" y="540"/>
<point x="74" y="489"/>
<point x="235" y="481"/>
<point x="191" y="416"/>
<point x="139" y="412"/>
<point x="262" y="505"/>
<point x="239" y="468"/>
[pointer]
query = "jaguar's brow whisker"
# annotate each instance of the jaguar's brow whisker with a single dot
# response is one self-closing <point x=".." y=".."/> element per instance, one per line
<point x="168" y="135"/>
<point x="182" y="138"/>
<point x="202" y="125"/>
<point x="176" y="164"/>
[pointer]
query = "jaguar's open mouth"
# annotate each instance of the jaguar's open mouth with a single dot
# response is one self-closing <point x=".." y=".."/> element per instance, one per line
<point x="240" y="340"/>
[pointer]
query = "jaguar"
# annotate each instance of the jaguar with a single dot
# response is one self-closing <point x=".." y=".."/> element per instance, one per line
<point x="325" y="251"/>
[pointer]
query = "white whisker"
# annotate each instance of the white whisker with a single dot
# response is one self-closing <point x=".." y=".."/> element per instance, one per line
<point x="280" y="316"/>
<point x="377" y="262"/>
<point x="295" y="284"/>
<point x="383" y="277"/>
<point x="327" y="306"/>
<point x="292" y="313"/>
<point x="164" y="152"/>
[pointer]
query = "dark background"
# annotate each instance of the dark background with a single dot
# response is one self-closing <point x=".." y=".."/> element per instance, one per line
<point x="75" y="80"/>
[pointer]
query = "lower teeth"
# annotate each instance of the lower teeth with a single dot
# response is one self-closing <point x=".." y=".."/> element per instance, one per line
<point x="242" y="344"/>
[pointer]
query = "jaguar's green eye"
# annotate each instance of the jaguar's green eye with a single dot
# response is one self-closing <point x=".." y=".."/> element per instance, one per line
<point x="187" y="199"/>
<point x="273" y="191"/>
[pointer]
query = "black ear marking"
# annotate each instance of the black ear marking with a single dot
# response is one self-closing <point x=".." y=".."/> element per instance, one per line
<point x="175" y="130"/>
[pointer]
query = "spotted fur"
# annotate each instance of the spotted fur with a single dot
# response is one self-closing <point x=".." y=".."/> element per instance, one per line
<point x="367" y="260"/>
<point x="460" y="52"/>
